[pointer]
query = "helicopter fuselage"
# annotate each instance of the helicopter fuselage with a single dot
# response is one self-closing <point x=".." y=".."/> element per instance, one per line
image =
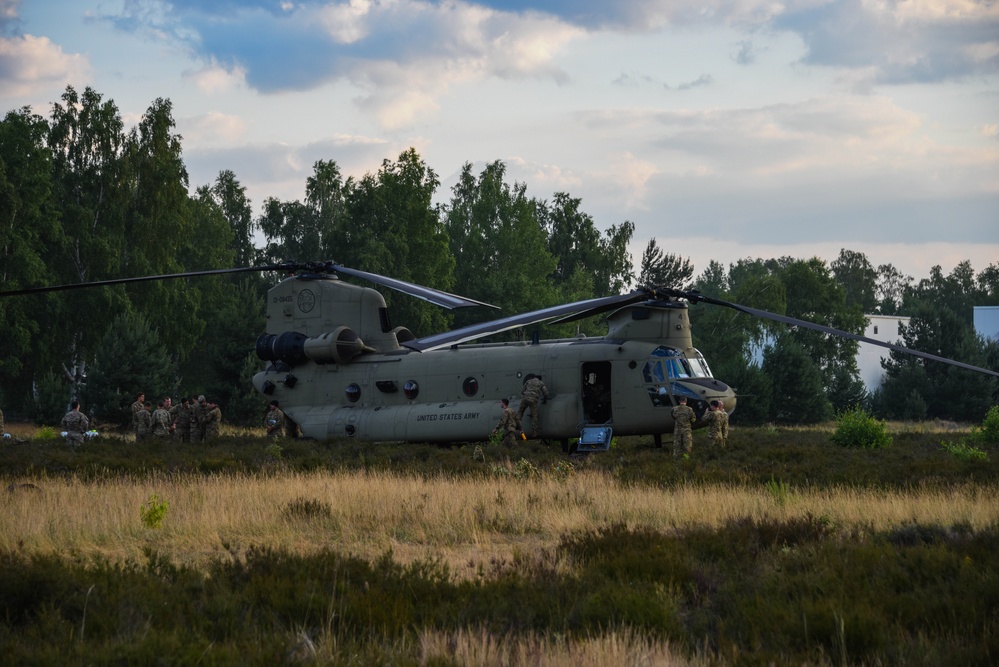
<point x="339" y="370"/>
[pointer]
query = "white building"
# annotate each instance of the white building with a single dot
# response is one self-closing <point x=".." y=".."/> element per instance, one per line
<point x="887" y="329"/>
<point x="987" y="322"/>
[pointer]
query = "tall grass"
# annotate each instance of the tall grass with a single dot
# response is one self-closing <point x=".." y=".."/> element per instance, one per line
<point x="462" y="521"/>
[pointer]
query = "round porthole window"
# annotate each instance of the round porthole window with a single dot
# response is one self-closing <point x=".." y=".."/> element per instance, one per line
<point x="470" y="386"/>
<point x="411" y="389"/>
<point x="353" y="393"/>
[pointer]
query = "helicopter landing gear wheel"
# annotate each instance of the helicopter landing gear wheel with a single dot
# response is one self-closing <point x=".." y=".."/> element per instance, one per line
<point x="565" y="445"/>
<point x="657" y="439"/>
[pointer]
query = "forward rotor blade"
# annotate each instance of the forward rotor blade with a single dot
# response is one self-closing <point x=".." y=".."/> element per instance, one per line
<point x="434" y="296"/>
<point x="697" y="296"/>
<point x="475" y="331"/>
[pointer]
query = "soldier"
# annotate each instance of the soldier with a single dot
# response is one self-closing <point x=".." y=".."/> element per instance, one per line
<point x="213" y="420"/>
<point x="717" y="420"/>
<point x="200" y="425"/>
<point x="161" y="421"/>
<point x="137" y="407"/>
<point x="76" y="424"/>
<point x="534" y="389"/>
<point x="144" y="422"/>
<point x="181" y="415"/>
<point x="683" y="420"/>
<point x="509" y="424"/>
<point x="274" y="420"/>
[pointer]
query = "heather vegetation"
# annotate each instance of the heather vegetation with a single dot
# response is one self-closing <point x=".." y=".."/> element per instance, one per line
<point x="785" y="548"/>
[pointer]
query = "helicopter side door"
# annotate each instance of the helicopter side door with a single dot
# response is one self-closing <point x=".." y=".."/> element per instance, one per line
<point x="596" y="392"/>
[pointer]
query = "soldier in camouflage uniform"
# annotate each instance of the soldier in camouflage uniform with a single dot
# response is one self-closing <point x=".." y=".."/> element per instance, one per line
<point x="509" y="424"/>
<point x="534" y="390"/>
<point x="683" y="421"/>
<point x="181" y="415"/>
<point x="76" y="424"/>
<point x="274" y="420"/>
<point x="161" y="421"/>
<point x="200" y="428"/>
<point x="213" y="421"/>
<point x="144" y="422"/>
<point x="137" y="407"/>
<point x="717" y="420"/>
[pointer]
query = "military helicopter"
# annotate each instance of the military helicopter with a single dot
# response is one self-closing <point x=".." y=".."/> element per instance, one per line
<point x="341" y="370"/>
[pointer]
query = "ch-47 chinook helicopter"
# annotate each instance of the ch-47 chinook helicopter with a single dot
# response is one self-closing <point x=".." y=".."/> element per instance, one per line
<point x="340" y="370"/>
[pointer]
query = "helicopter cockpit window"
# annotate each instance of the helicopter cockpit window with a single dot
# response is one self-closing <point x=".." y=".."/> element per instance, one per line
<point x="353" y="393"/>
<point x="699" y="366"/>
<point x="411" y="389"/>
<point x="654" y="370"/>
<point x="470" y="386"/>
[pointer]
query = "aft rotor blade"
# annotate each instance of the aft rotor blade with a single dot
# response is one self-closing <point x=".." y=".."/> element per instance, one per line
<point x="434" y="296"/>
<point x="140" y="279"/>
<point x="475" y="331"/>
<point x="697" y="296"/>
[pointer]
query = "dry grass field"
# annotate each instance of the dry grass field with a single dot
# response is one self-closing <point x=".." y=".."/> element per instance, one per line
<point x="463" y="522"/>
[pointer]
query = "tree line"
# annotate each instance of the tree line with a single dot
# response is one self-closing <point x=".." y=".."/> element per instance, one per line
<point x="84" y="199"/>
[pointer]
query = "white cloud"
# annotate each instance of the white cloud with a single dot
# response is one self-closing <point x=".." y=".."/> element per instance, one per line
<point x="213" y="128"/>
<point x="214" y="78"/>
<point x="29" y="64"/>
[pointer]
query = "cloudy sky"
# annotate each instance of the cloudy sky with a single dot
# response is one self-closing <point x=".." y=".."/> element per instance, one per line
<point x="723" y="128"/>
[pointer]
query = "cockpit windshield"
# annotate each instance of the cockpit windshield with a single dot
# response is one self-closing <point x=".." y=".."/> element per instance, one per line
<point x="669" y="363"/>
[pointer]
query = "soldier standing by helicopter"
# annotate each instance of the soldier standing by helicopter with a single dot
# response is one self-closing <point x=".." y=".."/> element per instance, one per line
<point x="717" y="420"/>
<point x="683" y="421"/>
<point x="144" y="422"/>
<point x="200" y="425"/>
<point x="75" y="423"/>
<point x="213" y="420"/>
<point x="137" y="407"/>
<point x="534" y="390"/>
<point x="274" y="420"/>
<point x="161" y="421"/>
<point x="509" y="424"/>
<point x="182" y="419"/>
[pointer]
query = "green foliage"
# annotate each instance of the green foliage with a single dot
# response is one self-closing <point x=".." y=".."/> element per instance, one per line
<point x="51" y="399"/>
<point x="857" y="428"/>
<point x="46" y="434"/>
<point x="988" y="433"/>
<point x="779" y="490"/>
<point x="964" y="451"/>
<point x="798" y="395"/>
<point x="275" y="451"/>
<point x="153" y="511"/>
<point x="129" y="359"/>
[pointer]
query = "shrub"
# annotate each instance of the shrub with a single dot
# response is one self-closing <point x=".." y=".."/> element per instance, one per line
<point x="965" y="451"/>
<point x="153" y="512"/>
<point x="308" y="509"/>
<point x="988" y="432"/>
<point x="779" y="490"/>
<point x="857" y="428"/>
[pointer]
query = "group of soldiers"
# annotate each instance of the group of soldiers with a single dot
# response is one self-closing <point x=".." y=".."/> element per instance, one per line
<point x="535" y="392"/>
<point x="192" y="420"/>
<point x="683" y="422"/>
<point x="510" y="423"/>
